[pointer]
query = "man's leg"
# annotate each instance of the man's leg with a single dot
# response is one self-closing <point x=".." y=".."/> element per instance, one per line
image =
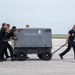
<point x="74" y="49"/>
<point x="0" y="50"/>
<point x="5" y="50"/>
<point x="67" y="50"/>
<point x="3" y="46"/>
<point x="0" y="44"/>
<point x="6" y="53"/>
<point x="11" y="50"/>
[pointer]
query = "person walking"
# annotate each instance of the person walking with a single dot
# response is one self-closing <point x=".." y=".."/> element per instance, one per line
<point x="71" y="42"/>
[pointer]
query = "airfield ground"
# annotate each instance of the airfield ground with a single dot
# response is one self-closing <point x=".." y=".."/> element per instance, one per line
<point x="35" y="66"/>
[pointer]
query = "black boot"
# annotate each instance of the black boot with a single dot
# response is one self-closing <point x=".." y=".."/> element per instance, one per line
<point x="4" y="59"/>
<point x="8" y="56"/>
<point x="61" y="56"/>
<point x="12" y="58"/>
<point x="1" y="60"/>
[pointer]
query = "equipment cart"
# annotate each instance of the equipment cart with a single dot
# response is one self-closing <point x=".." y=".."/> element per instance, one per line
<point x="33" y="41"/>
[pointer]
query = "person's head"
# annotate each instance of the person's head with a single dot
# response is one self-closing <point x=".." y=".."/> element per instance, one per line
<point x="73" y="27"/>
<point x="8" y="25"/>
<point x="4" y="25"/>
<point x="27" y="26"/>
<point x="14" y="28"/>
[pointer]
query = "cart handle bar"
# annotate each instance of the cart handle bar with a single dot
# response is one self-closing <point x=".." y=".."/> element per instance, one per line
<point x="58" y="49"/>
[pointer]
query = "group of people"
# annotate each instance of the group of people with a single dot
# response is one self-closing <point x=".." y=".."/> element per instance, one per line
<point x="5" y="35"/>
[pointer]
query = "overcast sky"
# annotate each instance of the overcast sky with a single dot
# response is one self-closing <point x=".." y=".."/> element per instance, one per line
<point x="59" y="15"/>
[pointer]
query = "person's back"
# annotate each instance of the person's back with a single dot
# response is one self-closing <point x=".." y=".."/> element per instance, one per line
<point x="72" y="35"/>
<point x="9" y="33"/>
<point x="2" y="33"/>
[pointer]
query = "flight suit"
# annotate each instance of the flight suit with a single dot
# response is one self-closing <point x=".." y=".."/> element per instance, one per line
<point x="5" y="44"/>
<point x="71" y="43"/>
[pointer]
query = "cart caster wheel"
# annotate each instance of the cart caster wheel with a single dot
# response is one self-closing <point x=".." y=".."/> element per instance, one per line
<point x="46" y="55"/>
<point x="22" y="55"/>
<point x="39" y="55"/>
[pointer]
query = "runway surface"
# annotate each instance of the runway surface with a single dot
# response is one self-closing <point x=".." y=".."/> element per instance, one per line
<point x="35" y="66"/>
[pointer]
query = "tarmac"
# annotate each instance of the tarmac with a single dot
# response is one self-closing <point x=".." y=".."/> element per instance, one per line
<point x="35" y="66"/>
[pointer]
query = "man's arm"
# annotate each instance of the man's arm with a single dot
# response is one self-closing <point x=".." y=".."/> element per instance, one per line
<point x="5" y="37"/>
<point x="14" y="38"/>
<point x="67" y="38"/>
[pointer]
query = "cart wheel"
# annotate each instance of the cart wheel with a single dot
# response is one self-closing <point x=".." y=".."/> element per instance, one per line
<point x="22" y="55"/>
<point x="46" y="55"/>
<point x="39" y="55"/>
